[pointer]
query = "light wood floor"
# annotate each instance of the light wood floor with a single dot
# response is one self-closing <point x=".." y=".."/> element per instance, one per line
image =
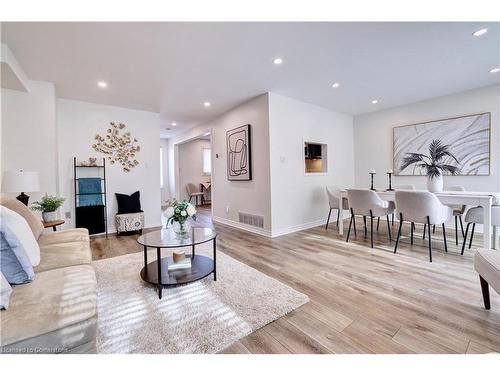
<point x="362" y="300"/>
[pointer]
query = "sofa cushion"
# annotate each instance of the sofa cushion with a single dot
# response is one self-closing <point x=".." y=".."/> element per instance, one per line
<point x="63" y="236"/>
<point x="67" y="254"/>
<point x="34" y="222"/>
<point x="14" y="262"/>
<point x="487" y="264"/>
<point x="20" y="234"/>
<point x="6" y="291"/>
<point x="56" y="312"/>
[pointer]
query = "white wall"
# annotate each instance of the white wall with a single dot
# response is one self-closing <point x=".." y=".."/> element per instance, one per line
<point x="165" y="191"/>
<point x="191" y="165"/>
<point x="29" y="134"/>
<point x="373" y="137"/>
<point x="298" y="200"/>
<point x="231" y="197"/>
<point x="78" y="123"/>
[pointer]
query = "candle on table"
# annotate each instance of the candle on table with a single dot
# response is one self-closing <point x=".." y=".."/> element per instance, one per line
<point x="372" y="171"/>
<point x="389" y="171"/>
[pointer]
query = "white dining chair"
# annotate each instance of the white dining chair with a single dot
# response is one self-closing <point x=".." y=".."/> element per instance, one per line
<point x="368" y="203"/>
<point x="401" y="187"/>
<point x="421" y="207"/>
<point x="458" y="211"/>
<point x="333" y="193"/>
<point x="475" y="216"/>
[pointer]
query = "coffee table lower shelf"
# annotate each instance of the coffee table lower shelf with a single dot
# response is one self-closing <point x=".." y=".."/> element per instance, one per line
<point x="201" y="267"/>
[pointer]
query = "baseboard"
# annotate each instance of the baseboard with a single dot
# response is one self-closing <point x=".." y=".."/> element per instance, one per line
<point x="245" y="227"/>
<point x="297" y="228"/>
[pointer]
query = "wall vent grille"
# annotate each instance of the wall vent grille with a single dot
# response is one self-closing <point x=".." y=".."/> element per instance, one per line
<point x="249" y="219"/>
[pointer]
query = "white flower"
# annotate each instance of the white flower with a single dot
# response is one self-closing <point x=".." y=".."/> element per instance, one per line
<point x="169" y="212"/>
<point x="183" y="213"/>
<point x="190" y="210"/>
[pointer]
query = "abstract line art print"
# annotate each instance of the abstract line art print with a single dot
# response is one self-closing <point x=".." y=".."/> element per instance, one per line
<point x="467" y="138"/>
<point x="239" y="156"/>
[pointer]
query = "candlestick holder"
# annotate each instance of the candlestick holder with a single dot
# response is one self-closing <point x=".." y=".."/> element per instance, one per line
<point x="390" y="181"/>
<point x="371" y="185"/>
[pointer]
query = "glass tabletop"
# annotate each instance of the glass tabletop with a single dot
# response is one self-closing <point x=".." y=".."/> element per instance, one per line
<point x="166" y="237"/>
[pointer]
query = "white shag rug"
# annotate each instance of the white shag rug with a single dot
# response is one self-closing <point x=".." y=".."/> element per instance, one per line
<point x="202" y="317"/>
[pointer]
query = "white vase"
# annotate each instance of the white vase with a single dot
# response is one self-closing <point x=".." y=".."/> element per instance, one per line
<point x="49" y="216"/>
<point x="435" y="184"/>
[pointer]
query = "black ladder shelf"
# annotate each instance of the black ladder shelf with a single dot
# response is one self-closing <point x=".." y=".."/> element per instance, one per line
<point x="92" y="217"/>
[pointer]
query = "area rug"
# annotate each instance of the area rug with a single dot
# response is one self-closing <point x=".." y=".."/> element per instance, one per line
<point x="202" y="317"/>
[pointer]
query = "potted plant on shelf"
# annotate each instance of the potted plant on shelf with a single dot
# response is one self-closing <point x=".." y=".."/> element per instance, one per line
<point x="48" y="205"/>
<point x="177" y="214"/>
<point x="433" y="164"/>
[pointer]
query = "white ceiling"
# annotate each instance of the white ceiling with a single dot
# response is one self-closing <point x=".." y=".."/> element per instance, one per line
<point x="172" y="68"/>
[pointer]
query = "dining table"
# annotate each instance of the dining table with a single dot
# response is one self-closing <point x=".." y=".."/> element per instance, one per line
<point x="450" y="198"/>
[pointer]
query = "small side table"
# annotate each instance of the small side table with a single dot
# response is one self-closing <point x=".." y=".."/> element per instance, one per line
<point x="52" y="224"/>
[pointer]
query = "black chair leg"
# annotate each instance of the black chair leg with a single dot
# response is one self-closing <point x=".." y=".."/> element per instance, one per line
<point x="430" y="238"/>
<point x="349" y="231"/>
<point x="472" y="234"/>
<point x="465" y="238"/>
<point x="338" y="217"/>
<point x="389" y="228"/>
<point x="364" y="222"/>
<point x="456" y="230"/>
<point x="399" y="232"/>
<point x="425" y="228"/>
<point x="354" y="222"/>
<point x="411" y="233"/>
<point x="486" y="293"/>
<point x="371" y="229"/>
<point x="328" y="220"/>
<point x="433" y="229"/>
<point x="392" y="219"/>
<point x="190" y="197"/>
<point x="378" y="222"/>
<point x="461" y="225"/>
<point x="444" y="238"/>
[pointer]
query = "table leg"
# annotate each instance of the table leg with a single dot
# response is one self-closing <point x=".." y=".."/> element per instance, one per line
<point x="158" y="258"/>
<point x="54" y="228"/>
<point x="341" y="214"/>
<point x="495" y="238"/>
<point x="146" y="257"/>
<point x="487" y="224"/>
<point x="215" y="259"/>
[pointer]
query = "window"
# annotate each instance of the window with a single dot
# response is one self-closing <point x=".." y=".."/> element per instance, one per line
<point x="206" y="161"/>
<point x="161" y="167"/>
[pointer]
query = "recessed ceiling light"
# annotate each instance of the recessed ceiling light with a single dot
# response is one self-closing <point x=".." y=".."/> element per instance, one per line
<point x="335" y="85"/>
<point x="494" y="70"/>
<point x="278" y="61"/>
<point x="207" y="104"/>
<point x="174" y="124"/>
<point x="374" y="101"/>
<point x="102" y="84"/>
<point x="480" y="32"/>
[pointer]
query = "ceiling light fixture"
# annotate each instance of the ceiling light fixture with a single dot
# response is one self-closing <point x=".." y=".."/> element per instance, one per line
<point x="494" y="70"/>
<point x="374" y="101"/>
<point x="335" y="85"/>
<point x="278" y="61"/>
<point x="102" y="84"/>
<point x="480" y="32"/>
<point x="207" y="104"/>
<point x="174" y="124"/>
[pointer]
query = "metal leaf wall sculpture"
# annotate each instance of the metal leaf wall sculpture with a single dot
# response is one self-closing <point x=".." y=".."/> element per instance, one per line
<point x="119" y="148"/>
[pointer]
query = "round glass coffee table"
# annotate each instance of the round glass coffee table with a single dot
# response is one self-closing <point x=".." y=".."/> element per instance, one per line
<point x="157" y="272"/>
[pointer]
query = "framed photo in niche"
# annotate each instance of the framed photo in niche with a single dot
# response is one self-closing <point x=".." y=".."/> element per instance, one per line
<point x="239" y="153"/>
<point x="467" y="138"/>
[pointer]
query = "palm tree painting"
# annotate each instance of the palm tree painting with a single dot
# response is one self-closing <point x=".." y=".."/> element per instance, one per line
<point x="455" y="146"/>
<point x="238" y="154"/>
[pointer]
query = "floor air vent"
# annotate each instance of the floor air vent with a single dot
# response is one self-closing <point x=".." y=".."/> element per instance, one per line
<point x="254" y="220"/>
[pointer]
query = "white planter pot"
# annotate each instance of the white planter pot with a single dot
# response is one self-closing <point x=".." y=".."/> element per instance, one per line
<point x="49" y="216"/>
<point x="435" y="184"/>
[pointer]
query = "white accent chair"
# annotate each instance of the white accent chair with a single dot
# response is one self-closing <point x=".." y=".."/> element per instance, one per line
<point x="368" y="203"/>
<point x="475" y="216"/>
<point x="487" y="265"/>
<point x="333" y="193"/>
<point x="421" y="207"/>
<point x="194" y="191"/>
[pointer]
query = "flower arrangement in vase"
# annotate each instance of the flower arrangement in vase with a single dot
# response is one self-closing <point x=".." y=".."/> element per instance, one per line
<point x="433" y="164"/>
<point x="177" y="214"/>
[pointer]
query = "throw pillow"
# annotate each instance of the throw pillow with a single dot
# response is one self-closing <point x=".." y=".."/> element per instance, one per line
<point x="19" y="227"/>
<point x="128" y="204"/>
<point x="6" y="291"/>
<point x="34" y="222"/>
<point x="14" y="263"/>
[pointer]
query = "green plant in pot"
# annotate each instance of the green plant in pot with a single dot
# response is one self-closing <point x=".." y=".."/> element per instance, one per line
<point x="433" y="164"/>
<point x="48" y="206"/>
